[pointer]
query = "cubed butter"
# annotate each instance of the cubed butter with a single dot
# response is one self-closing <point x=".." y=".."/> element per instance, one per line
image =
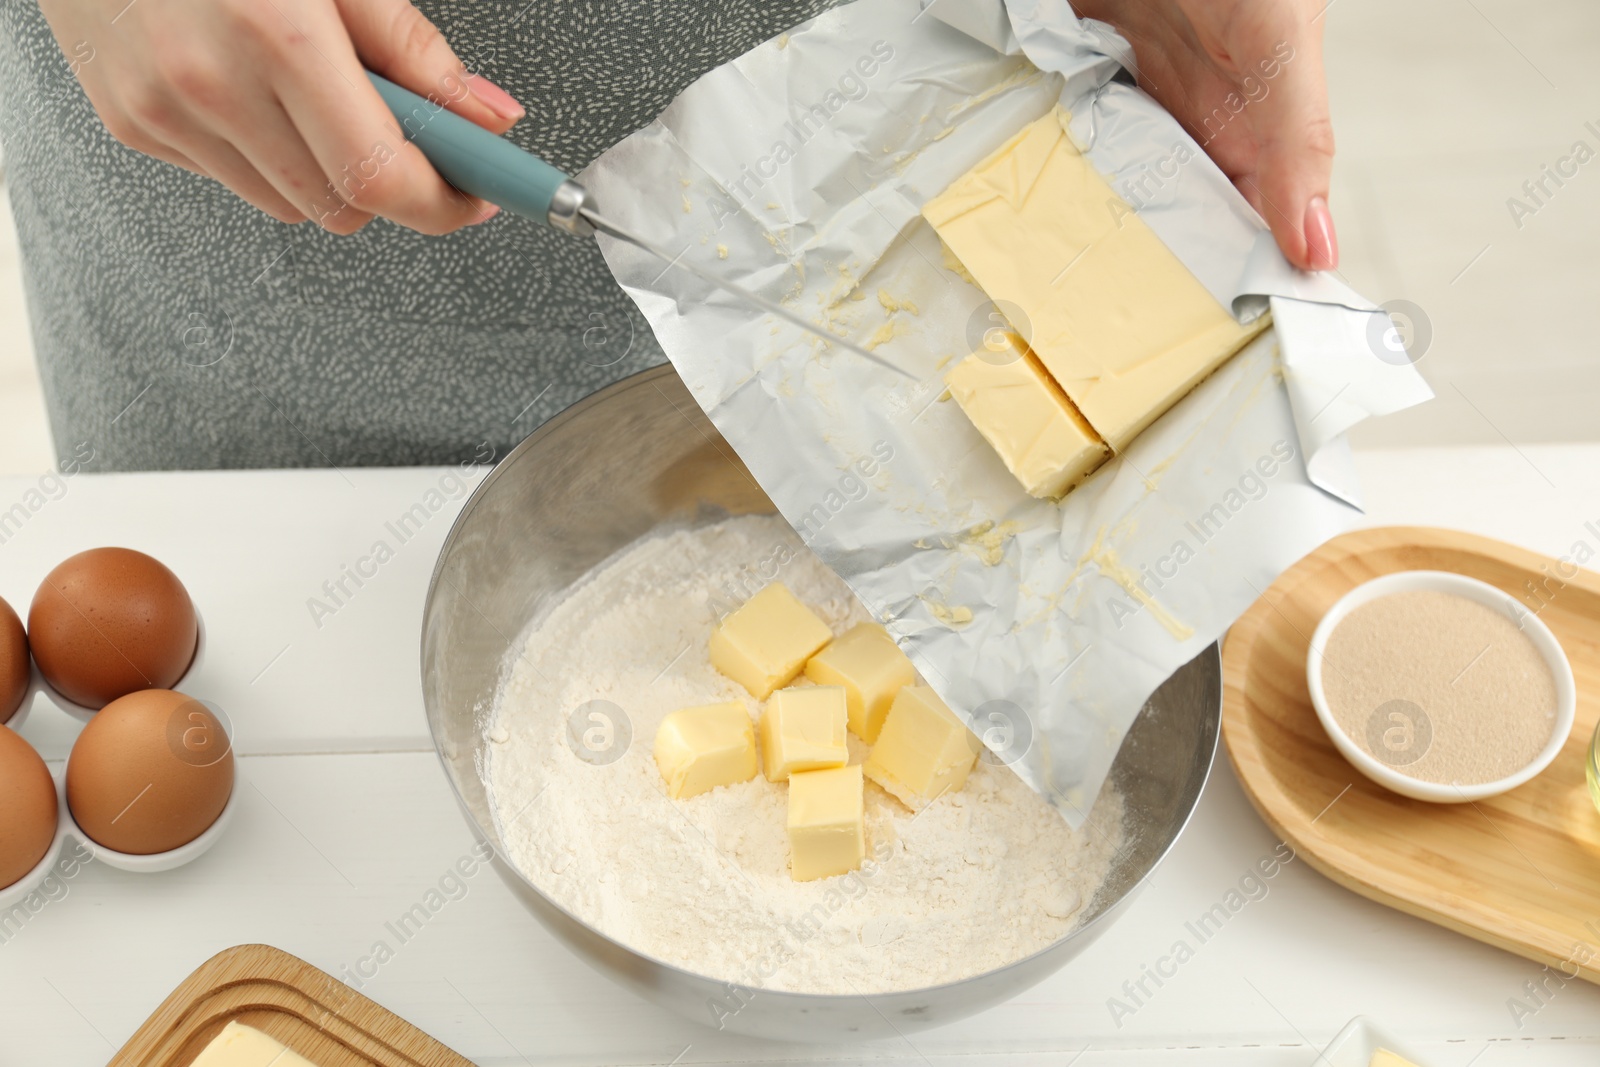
<point x="1384" y="1058"/>
<point x="865" y="661"/>
<point x="1026" y="418"/>
<point x="827" y="822"/>
<point x="243" y="1046"/>
<point x="1115" y="318"/>
<point x="924" y="750"/>
<point x="766" y="642"/>
<point x="698" y="749"/>
<point x="803" y="730"/>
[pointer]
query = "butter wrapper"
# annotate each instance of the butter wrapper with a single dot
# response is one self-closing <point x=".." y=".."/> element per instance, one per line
<point x="799" y="171"/>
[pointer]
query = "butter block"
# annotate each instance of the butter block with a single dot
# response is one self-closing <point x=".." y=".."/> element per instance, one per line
<point x="827" y="822"/>
<point x="766" y="642"/>
<point x="1114" y="317"/>
<point x="698" y="749"/>
<point x="803" y="730"/>
<point x="865" y="661"/>
<point x="924" y="750"/>
<point x="1384" y="1058"/>
<point x="1026" y="418"/>
<point x="243" y="1046"/>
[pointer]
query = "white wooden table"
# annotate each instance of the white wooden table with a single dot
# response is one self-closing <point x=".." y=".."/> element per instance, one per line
<point x="347" y="821"/>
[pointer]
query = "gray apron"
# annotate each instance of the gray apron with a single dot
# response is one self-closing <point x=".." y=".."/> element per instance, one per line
<point x="177" y="327"/>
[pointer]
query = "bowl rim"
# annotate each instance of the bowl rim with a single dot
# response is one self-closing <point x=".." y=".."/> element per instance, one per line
<point x="648" y="376"/>
<point x="1478" y="591"/>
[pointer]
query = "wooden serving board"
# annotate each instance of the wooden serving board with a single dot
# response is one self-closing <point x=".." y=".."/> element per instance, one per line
<point x="312" y="1013"/>
<point x="1520" y="870"/>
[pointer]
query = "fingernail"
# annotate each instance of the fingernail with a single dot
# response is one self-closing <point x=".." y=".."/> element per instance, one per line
<point x="495" y="98"/>
<point x="487" y="213"/>
<point x="1322" y="247"/>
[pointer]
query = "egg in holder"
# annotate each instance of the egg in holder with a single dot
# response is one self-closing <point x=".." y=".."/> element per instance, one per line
<point x="145" y="631"/>
<point x="199" y="740"/>
<point x="16" y="665"/>
<point x="38" y="683"/>
<point x="150" y="783"/>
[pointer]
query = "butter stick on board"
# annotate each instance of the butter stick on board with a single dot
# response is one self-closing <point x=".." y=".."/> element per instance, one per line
<point x="243" y="1046"/>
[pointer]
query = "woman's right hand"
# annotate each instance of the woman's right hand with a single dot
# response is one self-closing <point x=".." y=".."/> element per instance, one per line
<point x="1245" y="78"/>
<point x="270" y="98"/>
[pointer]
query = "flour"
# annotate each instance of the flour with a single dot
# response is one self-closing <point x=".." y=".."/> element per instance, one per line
<point x="983" y="877"/>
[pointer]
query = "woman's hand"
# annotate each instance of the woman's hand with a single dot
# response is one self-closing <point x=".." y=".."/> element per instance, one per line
<point x="1245" y="78"/>
<point x="269" y="98"/>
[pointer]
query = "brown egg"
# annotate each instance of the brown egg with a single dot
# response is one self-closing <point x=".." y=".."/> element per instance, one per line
<point x="28" y="809"/>
<point x="111" y="621"/>
<point x="14" y="666"/>
<point x="151" y="772"/>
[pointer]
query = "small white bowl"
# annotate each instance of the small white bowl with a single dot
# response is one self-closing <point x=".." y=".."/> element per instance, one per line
<point x="1472" y="589"/>
<point x="1358" y="1042"/>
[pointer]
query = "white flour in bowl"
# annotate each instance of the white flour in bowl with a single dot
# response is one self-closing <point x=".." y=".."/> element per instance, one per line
<point x="981" y="878"/>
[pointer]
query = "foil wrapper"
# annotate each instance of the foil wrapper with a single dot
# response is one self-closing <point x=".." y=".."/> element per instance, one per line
<point x="799" y="171"/>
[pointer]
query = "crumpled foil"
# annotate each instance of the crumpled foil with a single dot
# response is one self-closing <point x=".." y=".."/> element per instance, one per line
<point x="799" y="170"/>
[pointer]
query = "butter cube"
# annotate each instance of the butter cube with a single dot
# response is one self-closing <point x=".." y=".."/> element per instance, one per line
<point x="1384" y="1058"/>
<point x="827" y="822"/>
<point x="1114" y="316"/>
<point x="1026" y="418"/>
<point x="698" y="749"/>
<point x="924" y="750"/>
<point x="803" y="730"/>
<point x="766" y="642"/>
<point x="866" y="662"/>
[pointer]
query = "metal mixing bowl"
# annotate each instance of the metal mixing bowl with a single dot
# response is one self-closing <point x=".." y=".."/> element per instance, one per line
<point x="609" y="470"/>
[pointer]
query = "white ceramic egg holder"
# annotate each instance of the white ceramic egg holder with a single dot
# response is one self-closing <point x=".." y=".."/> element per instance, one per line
<point x="68" y="828"/>
<point x="1359" y="1041"/>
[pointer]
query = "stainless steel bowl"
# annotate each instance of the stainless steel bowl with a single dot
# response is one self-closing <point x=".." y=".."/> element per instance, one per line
<point x="609" y="470"/>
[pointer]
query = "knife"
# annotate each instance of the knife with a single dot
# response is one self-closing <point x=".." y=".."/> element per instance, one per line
<point x="491" y="168"/>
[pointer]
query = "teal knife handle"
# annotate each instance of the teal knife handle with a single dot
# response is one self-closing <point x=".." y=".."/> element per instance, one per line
<point x="471" y="158"/>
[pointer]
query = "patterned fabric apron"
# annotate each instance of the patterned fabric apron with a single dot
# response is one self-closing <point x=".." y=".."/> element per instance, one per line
<point x="177" y="327"/>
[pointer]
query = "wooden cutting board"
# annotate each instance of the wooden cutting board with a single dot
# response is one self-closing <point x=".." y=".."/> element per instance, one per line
<point x="309" y="1011"/>
<point x="1521" y="870"/>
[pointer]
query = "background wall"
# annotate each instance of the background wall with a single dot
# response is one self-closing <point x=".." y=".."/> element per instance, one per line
<point x="1443" y="109"/>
